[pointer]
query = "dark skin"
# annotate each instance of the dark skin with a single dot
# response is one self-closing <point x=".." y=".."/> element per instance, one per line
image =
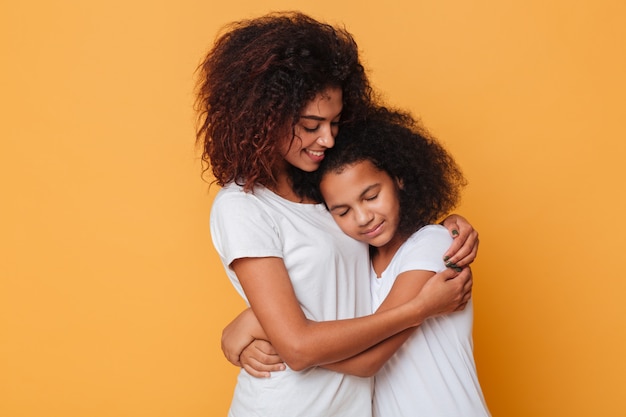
<point x="245" y="343"/>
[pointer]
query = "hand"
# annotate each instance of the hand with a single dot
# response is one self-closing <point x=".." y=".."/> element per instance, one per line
<point x="259" y="359"/>
<point x="464" y="248"/>
<point x="446" y="292"/>
<point x="238" y="334"/>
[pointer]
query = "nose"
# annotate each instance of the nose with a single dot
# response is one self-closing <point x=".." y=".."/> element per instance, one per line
<point x="363" y="216"/>
<point x="326" y="137"/>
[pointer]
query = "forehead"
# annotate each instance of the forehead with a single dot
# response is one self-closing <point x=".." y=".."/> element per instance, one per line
<point x="326" y="103"/>
<point x="352" y="179"/>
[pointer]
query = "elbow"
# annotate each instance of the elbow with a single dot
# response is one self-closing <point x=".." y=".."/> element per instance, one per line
<point x="370" y="370"/>
<point x="299" y="356"/>
<point x="367" y="370"/>
<point x="297" y="365"/>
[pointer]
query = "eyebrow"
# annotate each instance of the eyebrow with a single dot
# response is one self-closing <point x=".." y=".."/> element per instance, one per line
<point x="367" y="189"/>
<point x="318" y="118"/>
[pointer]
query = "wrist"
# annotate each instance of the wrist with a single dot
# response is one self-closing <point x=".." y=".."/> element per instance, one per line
<point x="418" y="311"/>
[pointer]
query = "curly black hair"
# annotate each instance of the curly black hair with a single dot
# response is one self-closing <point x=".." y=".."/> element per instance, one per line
<point x="396" y="143"/>
<point x="255" y="81"/>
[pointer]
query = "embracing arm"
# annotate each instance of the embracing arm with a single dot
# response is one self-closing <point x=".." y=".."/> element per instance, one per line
<point x="460" y="254"/>
<point x="302" y="343"/>
<point x="444" y="292"/>
<point x="408" y="285"/>
<point x="261" y="358"/>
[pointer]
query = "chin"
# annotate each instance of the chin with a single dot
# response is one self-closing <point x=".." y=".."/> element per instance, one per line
<point x="309" y="168"/>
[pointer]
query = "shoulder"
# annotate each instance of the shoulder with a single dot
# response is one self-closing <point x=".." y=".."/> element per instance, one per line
<point x="432" y="234"/>
<point x="231" y="192"/>
<point x="425" y="248"/>
<point x="233" y="197"/>
<point x="234" y="205"/>
<point x="242" y="225"/>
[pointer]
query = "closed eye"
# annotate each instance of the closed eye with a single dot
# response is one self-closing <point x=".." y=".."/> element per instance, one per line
<point x="339" y="211"/>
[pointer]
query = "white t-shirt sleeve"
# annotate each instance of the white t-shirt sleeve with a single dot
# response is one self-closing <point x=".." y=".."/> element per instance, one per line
<point x="425" y="248"/>
<point x="241" y="228"/>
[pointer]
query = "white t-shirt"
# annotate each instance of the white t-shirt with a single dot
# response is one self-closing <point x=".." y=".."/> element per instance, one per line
<point x="433" y="374"/>
<point x="329" y="274"/>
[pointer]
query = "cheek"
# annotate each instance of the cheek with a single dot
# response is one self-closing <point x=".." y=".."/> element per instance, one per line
<point x="304" y="138"/>
<point x="346" y="225"/>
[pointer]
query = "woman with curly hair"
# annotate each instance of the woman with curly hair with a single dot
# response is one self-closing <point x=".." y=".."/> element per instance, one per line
<point x="272" y="93"/>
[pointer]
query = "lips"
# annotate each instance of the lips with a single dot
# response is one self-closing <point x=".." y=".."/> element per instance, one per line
<point x="316" y="156"/>
<point x="373" y="230"/>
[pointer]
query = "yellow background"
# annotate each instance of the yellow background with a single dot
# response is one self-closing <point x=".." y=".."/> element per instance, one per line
<point x="111" y="297"/>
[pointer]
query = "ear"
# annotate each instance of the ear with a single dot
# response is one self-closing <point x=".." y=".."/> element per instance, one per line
<point x="399" y="183"/>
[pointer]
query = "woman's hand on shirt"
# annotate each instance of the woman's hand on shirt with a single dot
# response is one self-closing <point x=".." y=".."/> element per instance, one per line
<point x="464" y="248"/>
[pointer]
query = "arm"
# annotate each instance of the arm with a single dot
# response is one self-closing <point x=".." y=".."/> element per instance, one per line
<point x="303" y="343"/>
<point x="407" y="285"/>
<point x="464" y="248"/>
<point x="259" y="358"/>
<point x="372" y="359"/>
<point x="239" y="334"/>
<point x="245" y="344"/>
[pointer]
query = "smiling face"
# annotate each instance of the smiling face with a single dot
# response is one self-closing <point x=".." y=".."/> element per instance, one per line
<point x="315" y="131"/>
<point x="363" y="201"/>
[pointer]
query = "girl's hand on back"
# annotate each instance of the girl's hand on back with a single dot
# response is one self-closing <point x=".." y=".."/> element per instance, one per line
<point x="259" y="359"/>
<point x="464" y="248"/>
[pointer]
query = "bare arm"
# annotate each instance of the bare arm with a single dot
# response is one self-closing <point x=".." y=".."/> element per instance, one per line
<point x="407" y="285"/>
<point x="302" y="343"/>
<point x="240" y="333"/>
<point x="259" y="358"/>
<point x="236" y="337"/>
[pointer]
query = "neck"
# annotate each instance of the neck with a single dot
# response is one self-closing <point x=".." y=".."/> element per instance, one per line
<point x="382" y="256"/>
<point x="284" y="188"/>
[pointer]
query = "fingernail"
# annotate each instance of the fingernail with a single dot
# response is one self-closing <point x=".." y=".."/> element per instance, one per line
<point x="455" y="232"/>
<point x="445" y="258"/>
<point x="454" y="266"/>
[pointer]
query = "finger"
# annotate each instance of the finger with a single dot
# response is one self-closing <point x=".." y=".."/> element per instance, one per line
<point x="457" y="243"/>
<point x="446" y="274"/>
<point x="255" y="373"/>
<point x="265" y="359"/>
<point x="463" y="253"/>
<point x="461" y="307"/>
<point x="460" y="275"/>
<point x="468" y="275"/>
<point x="261" y="365"/>
<point x="466" y="258"/>
<point x="467" y="295"/>
<point x="265" y="353"/>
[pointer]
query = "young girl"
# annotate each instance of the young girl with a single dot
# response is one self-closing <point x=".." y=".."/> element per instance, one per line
<point x="384" y="183"/>
<point x="272" y="92"/>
